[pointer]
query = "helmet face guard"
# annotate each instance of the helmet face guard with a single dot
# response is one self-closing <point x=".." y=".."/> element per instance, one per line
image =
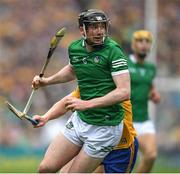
<point x="91" y="17"/>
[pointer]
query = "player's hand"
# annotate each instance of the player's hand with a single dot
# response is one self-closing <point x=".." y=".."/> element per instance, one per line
<point x="73" y="104"/>
<point x="42" y="120"/>
<point x="155" y="96"/>
<point x="39" y="82"/>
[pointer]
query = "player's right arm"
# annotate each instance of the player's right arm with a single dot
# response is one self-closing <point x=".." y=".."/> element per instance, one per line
<point x="64" y="75"/>
<point x="57" y="110"/>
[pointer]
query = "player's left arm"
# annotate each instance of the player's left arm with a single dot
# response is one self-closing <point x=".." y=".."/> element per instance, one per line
<point x="119" y="94"/>
<point x="154" y="95"/>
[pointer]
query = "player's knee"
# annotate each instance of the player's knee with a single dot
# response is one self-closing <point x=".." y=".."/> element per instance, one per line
<point x="45" y="168"/>
<point x="42" y="168"/>
<point x="151" y="156"/>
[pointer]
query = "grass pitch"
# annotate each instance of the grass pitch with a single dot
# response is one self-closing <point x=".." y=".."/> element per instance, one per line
<point x="29" y="164"/>
<point x="19" y="164"/>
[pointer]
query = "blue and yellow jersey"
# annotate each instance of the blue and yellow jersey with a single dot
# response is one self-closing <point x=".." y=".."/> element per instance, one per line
<point x="128" y="130"/>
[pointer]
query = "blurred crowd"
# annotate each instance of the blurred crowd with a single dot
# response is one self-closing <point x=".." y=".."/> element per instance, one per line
<point x="25" y="32"/>
<point x="168" y="38"/>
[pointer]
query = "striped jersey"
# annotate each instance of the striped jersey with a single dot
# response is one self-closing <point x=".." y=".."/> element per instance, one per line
<point x="94" y="71"/>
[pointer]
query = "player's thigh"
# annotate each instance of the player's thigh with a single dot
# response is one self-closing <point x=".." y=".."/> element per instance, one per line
<point x="83" y="163"/>
<point x="60" y="151"/>
<point x="147" y="143"/>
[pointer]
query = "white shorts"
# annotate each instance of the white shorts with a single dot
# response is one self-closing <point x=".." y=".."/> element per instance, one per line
<point x="96" y="141"/>
<point x="144" y="127"/>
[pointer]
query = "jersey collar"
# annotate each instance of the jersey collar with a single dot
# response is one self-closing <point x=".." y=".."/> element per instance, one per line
<point x="133" y="58"/>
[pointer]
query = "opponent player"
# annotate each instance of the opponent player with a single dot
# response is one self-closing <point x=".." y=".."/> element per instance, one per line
<point x="119" y="160"/>
<point x="142" y="89"/>
<point x="100" y="67"/>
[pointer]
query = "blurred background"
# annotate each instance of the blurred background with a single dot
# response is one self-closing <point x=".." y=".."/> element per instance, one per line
<point x="26" y="28"/>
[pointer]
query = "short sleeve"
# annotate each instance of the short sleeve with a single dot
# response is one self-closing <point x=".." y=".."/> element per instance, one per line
<point x="118" y="64"/>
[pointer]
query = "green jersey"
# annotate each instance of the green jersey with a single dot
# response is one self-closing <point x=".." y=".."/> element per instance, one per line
<point x="94" y="71"/>
<point x="142" y="76"/>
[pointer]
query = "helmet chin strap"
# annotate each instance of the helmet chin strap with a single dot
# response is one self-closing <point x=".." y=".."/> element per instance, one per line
<point x="85" y="34"/>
